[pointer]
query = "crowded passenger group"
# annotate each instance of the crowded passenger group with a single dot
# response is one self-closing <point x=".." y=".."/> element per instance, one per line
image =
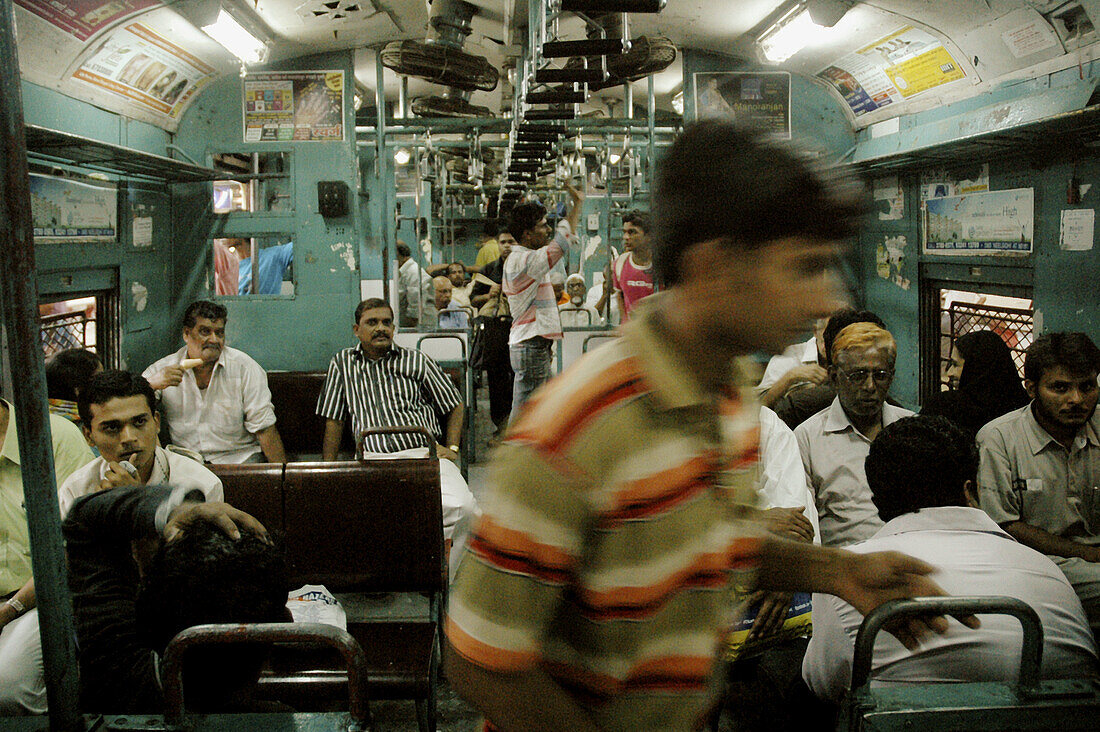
<point x="637" y="498"/>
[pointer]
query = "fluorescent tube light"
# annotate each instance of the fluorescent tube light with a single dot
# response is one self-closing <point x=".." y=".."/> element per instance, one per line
<point x="238" y="41"/>
<point x="788" y="36"/>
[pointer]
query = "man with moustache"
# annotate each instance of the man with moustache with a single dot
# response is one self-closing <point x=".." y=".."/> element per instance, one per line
<point x="1039" y="470"/>
<point x="220" y="408"/>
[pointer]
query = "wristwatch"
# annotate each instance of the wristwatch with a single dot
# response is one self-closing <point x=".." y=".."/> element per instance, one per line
<point x="452" y="448"/>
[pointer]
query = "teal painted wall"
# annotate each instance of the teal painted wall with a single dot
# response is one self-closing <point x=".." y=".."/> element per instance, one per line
<point x="293" y="333"/>
<point x="92" y="266"/>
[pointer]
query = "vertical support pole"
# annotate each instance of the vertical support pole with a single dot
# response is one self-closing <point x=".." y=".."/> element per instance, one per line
<point x="403" y="99"/>
<point x="383" y="168"/>
<point x="651" y="114"/>
<point x="20" y="316"/>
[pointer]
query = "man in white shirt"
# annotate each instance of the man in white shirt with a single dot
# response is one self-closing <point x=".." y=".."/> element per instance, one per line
<point x="834" y="442"/>
<point x="415" y="297"/>
<point x="575" y="313"/>
<point x="802" y="363"/>
<point x="218" y="405"/>
<point x="922" y="474"/>
<point x="118" y="411"/>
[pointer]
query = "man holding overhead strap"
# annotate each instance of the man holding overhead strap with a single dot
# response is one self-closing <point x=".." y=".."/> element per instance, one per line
<point x="535" y="320"/>
<point x="598" y="582"/>
<point x="215" y="398"/>
<point x="380" y="384"/>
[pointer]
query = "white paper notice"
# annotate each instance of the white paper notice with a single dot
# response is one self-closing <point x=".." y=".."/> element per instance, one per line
<point x="143" y="231"/>
<point x="1030" y="38"/>
<point x="1077" y="229"/>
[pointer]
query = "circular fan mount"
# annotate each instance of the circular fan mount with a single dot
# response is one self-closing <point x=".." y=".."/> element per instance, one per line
<point x="647" y="55"/>
<point x="440" y="64"/>
<point x="447" y="107"/>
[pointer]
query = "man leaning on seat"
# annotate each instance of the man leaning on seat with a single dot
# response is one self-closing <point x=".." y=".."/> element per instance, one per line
<point x="380" y="384"/>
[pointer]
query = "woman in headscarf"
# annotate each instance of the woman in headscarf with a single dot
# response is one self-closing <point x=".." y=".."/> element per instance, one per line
<point x="988" y="383"/>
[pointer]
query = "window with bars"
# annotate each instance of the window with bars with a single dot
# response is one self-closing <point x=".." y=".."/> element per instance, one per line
<point x="87" y="321"/>
<point x="1012" y="318"/>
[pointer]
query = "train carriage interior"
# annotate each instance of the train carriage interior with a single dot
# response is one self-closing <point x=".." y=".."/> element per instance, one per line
<point x="167" y="151"/>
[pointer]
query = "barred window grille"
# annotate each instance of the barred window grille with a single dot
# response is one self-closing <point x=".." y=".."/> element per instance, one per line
<point x="1013" y="325"/>
<point x="66" y="330"/>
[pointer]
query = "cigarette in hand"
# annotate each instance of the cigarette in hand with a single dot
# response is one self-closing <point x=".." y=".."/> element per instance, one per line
<point x="190" y="363"/>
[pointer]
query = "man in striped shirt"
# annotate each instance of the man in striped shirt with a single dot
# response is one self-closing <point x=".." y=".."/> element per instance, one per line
<point x="380" y="384"/>
<point x="620" y="510"/>
<point x="535" y="320"/>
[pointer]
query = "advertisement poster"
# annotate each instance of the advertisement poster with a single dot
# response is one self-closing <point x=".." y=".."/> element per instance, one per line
<point x="760" y="99"/>
<point x="294" y="105"/>
<point x="67" y="210"/>
<point x="144" y="67"/>
<point x="82" y="19"/>
<point x="998" y="222"/>
<point x="901" y="65"/>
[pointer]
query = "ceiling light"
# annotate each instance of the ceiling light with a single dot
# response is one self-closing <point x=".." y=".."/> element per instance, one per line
<point x="788" y="35"/>
<point x="402" y="156"/>
<point x="238" y="41"/>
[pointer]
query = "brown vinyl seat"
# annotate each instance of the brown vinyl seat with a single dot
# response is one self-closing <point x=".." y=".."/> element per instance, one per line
<point x="256" y="489"/>
<point x="294" y="396"/>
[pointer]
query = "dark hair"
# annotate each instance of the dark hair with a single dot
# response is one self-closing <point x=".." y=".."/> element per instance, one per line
<point x="639" y="219"/>
<point x="721" y="181"/>
<point x="113" y="384"/>
<point x="920" y="462"/>
<point x="403" y="249"/>
<point x="68" y="371"/>
<point x="456" y="264"/>
<point x="1075" y="352"/>
<point x="202" y="576"/>
<point x="524" y="217"/>
<point x="370" y="304"/>
<point x="841" y="320"/>
<point x="203" y="309"/>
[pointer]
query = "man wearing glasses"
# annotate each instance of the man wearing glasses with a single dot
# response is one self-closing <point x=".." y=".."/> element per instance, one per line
<point x="835" y="441"/>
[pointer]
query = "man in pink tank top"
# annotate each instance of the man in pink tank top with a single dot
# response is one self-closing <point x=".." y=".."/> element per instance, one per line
<point x="632" y="275"/>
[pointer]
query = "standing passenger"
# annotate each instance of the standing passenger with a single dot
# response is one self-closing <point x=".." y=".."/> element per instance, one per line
<point x="415" y="298"/>
<point x="220" y="408"/>
<point x="487" y="297"/>
<point x="633" y="270"/>
<point x="596" y="585"/>
<point x="535" y="321"/>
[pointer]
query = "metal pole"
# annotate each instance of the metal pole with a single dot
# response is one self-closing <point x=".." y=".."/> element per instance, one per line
<point x="20" y="314"/>
<point x="651" y="113"/>
<point x="384" y="162"/>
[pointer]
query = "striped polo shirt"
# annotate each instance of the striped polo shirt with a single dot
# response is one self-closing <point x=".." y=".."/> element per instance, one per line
<point x="404" y="387"/>
<point x="615" y="525"/>
<point x="527" y="285"/>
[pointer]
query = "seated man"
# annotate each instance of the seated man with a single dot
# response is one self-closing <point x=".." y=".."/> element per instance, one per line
<point x="1040" y="464"/>
<point x="574" y="313"/>
<point x="67" y="373"/>
<point x="921" y="471"/>
<point x="448" y="312"/>
<point x="834" y="442"/>
<point x="221" y="408"/>
<point x="22" y="681"/>
<point x="802" y="363"/>
<point x="145" y="563"/>
<point x="118" y="412"/>
<point x="380" y="384"/>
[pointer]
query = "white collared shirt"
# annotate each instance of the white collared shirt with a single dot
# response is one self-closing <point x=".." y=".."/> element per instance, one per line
<point x="782" y="479"/>
<point x="833" y="451"/>
<point x="974" y="557"/>
<point x="1026" y="475"/>
<point x="169" y="469"/>
<point x="792" y="357"/>
<point x="527" y="285"/>
<point x="219" y="422"/>
<point x="413" y="283"/>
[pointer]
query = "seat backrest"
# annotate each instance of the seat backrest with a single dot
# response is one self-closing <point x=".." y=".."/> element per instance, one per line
<point x="294" y="396"/>
<point x="368" y="526"/>
<point x="256" y="489"/>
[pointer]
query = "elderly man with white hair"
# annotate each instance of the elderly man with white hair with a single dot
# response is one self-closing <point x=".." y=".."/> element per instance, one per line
<point x="575" y="313"/>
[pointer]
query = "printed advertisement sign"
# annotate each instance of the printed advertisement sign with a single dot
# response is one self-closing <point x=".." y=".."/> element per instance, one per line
<point x="998" y="222"/>
<point x="145" y="68"/>
<point x="761" y="99"/>
<point x="67" y="210"/>
<point x="82" y="19"/>
<point x="294" y="105"/>
<point x="899" y="66"/>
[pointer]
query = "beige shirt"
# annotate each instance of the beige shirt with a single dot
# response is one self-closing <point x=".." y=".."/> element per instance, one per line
<point x="1026" y="475"/>
<point x="833" y="451"/>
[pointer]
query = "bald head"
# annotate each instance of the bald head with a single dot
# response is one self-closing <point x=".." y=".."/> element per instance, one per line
<point x="442" y="287"/>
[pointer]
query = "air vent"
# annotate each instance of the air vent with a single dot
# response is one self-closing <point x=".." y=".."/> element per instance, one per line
<point x="1073" y="25"/>
<point x="336" y="10"/>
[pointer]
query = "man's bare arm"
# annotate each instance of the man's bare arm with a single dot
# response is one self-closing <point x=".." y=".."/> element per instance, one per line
<point x="574" y="215"/>
<point x="330" y="446"/>
<point x="1048" y="543"/>
<point x="452" y="432"/>
<point x="272" y="444"/>
<point x="810" y="373"/>
<point x="516" y="702"/>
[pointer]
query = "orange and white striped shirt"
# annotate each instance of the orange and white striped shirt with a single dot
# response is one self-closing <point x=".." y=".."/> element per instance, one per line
<point x="527" y="285"/>
<point x="614" y="526"/>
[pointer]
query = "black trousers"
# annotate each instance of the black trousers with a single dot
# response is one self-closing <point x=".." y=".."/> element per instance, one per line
<point x="500" y="379"/>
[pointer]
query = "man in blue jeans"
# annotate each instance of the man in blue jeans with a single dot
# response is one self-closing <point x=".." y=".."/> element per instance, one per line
<point x="535" y="320"/>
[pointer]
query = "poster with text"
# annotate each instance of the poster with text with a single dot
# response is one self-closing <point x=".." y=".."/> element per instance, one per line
<point x="901" y="65"/>
<point x="294" y="105"/>
<point x="146" y="68"/>
<point x="82" y="19"/>
<point x="68" y="210"/>
<point x="997" y="222"/>
<point x="759" y="99"/>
